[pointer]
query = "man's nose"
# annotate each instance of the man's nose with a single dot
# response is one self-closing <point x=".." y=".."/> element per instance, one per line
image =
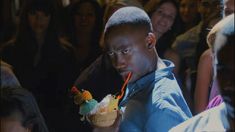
<point x="119" y="62"/>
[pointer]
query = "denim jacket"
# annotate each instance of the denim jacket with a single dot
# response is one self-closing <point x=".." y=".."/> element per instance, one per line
<point x="154" y="103"/>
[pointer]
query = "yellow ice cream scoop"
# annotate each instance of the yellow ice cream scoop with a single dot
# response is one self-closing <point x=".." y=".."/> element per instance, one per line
<point x="113" y="104"/>
<point x="105" y="113"/>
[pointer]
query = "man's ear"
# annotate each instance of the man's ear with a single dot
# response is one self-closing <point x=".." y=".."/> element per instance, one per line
<point x="150" y="40"/>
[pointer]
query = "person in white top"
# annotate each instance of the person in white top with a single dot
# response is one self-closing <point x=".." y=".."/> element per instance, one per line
<point x="219" y="118"/>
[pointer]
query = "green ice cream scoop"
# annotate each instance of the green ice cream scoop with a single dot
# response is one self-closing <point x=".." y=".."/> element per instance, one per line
<point x="87" y="106"/>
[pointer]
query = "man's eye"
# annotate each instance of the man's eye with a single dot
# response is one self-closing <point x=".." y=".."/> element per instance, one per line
<point x="110" y="53"/>
<point x="126" y="51"/>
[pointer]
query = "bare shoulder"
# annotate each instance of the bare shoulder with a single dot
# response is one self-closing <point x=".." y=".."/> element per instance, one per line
<point x="206" y="55"/>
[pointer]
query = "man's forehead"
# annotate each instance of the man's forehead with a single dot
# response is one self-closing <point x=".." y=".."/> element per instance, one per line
<point x="125" y="31"/>
<point x="124" y="37"/>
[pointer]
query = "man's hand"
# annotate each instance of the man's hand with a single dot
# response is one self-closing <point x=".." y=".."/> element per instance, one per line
<point x="113" y="128"/>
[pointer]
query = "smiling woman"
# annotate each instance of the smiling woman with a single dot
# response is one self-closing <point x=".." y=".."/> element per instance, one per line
<point x="163" y="17"/>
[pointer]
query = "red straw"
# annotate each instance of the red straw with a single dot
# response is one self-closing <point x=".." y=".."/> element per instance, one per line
<point x="124" y="86"/>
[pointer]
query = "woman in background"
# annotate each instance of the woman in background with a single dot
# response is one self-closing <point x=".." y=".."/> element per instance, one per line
<point x="84" y="31"/>
<point x="43" y="64"/>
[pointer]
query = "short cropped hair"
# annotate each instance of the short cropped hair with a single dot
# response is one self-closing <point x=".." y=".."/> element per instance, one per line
<point x="131" y="16"/>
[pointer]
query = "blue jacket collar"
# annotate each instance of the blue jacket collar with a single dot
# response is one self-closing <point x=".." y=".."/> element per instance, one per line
<point x="133" y="88"/>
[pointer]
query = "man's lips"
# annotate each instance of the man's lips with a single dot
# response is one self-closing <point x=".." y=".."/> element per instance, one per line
<point x="124" y="74"/>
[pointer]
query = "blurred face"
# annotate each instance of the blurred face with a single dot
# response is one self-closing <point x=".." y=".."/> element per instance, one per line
<point x="38" y="21"/>
<point x="226" y="72"/>
<point x="85" y="18"/>
<point x="188" y="10"/>
<point x="228" y="7"/>
<point x="163" y="18"/>
<point x="128" y="51"/>
<point x="12" y="124"/>
<point x="209" y="10"/>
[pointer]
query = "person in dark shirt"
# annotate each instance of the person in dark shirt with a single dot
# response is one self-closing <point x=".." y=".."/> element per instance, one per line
<point x="43" y="64"/>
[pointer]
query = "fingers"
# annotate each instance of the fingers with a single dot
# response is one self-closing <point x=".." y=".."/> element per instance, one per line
<point x="112" y="128"/>
<point x="118" y="119"/>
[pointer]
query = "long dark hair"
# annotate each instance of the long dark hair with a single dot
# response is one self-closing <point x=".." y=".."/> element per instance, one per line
<point x="25" y="35"/>
<point x="96" y="33"/>
<point x="167" y="39"/>
<point x="176" y="25"/>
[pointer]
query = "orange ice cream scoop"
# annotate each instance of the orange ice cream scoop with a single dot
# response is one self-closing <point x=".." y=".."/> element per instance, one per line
<point x="86" y="95"/>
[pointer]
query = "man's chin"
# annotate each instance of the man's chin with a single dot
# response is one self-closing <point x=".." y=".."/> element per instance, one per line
<point x="131" y="81"/>
<point x="125" y="76"/>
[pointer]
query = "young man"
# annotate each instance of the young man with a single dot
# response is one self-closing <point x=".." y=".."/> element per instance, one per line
<point x="153" y="100"/>
<point x="221" y="117"/>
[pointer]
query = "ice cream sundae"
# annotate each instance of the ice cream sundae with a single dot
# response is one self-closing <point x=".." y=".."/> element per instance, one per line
<point x="102" y="114"/>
